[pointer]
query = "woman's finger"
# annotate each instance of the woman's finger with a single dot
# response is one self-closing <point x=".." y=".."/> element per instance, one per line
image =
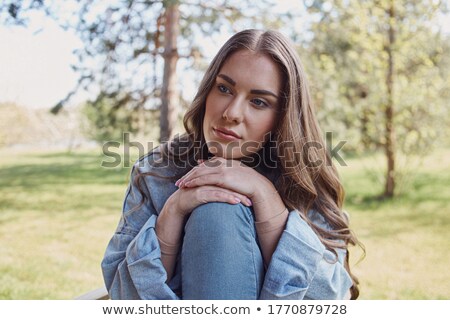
<point x="205" y="167"/>
<point x="195" y="172"/>
<point x="244" y="199"/>
<point x="215" y="179"/>
<point x="214" y="194"/>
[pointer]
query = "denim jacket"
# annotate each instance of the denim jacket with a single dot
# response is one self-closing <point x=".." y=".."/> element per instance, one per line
<point x="300" y="268"/>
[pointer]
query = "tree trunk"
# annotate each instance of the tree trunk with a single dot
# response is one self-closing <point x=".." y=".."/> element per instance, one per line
<point x="169" y="101"/>
<point x="389" y="111"/>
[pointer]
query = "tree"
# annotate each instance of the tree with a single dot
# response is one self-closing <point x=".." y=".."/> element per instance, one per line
<point x="370" y="55"/>
<point x="168" y="116"/>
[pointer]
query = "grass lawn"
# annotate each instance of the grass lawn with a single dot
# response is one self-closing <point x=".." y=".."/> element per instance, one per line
<point x="407" y="238"/>
<point x="59" y="210"/>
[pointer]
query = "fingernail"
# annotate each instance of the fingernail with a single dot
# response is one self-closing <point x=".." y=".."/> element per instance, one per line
<point x="178" y="182"/>
<point x="250" y="203"/>
<point x="237" y="199"/>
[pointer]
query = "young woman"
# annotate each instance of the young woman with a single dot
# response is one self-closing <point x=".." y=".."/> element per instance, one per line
<point x="247" y="204"/>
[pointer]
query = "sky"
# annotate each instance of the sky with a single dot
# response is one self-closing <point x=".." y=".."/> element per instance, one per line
<point x="35" y="66"/>
<point x="35" y="62"/>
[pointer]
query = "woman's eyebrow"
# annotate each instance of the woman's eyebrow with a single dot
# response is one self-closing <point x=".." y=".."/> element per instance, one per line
<point x="227" y="79"/>
<point x="263" y="92"/>
<point x="254" y="91"/>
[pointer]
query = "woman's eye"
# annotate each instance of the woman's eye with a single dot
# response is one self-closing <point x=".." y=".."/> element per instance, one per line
<point x="259" y="103"/>
<point x="223" y="89"/>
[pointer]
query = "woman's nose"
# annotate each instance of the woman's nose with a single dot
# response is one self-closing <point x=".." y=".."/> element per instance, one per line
<point x="235" y="110"/>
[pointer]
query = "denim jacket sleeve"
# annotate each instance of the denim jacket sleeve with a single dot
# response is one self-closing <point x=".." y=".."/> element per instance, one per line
<point x="302" y="268"/>
<point x="132" y="267"/>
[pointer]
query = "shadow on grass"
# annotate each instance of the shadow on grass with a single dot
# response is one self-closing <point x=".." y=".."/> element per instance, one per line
<point x="424" y="187"/>
<point x="60" y="186"/>
<point x="62" y="169"/>
<point x="421" y="207"/>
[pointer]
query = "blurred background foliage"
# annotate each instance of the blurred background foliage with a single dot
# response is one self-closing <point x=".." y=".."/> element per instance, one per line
<point x="379" y="72"/>
<point x="349" y="65"/>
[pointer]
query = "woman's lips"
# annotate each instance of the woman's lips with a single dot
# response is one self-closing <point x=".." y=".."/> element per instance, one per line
<point x="226" y="134"/>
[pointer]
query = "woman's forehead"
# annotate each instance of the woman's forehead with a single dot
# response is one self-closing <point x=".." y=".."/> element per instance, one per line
<point x="253" y="68"/>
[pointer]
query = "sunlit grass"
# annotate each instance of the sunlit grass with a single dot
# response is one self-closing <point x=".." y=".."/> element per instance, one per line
<point x="59" y="210"/>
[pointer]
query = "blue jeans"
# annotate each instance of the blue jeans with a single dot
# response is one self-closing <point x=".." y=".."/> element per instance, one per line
<point x="220" y="257"/>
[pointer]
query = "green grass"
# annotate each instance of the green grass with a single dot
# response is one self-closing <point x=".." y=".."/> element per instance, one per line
<point x="58" y="212"/>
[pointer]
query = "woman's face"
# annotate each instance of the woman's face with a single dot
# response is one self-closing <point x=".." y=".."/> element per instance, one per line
<point x="242" y="106"/>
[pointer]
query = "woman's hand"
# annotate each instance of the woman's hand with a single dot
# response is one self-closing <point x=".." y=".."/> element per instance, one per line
<point x="234" y="176"/>
<point x="228" y="174"/>
<point x="185" y="200"/>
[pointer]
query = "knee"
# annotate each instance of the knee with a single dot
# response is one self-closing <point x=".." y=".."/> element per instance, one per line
<point x="220" y="238"/>
<point x="218" y="218"/>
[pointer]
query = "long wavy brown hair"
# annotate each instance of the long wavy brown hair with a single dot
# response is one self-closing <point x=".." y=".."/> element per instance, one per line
<point x="308" y="180"/>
